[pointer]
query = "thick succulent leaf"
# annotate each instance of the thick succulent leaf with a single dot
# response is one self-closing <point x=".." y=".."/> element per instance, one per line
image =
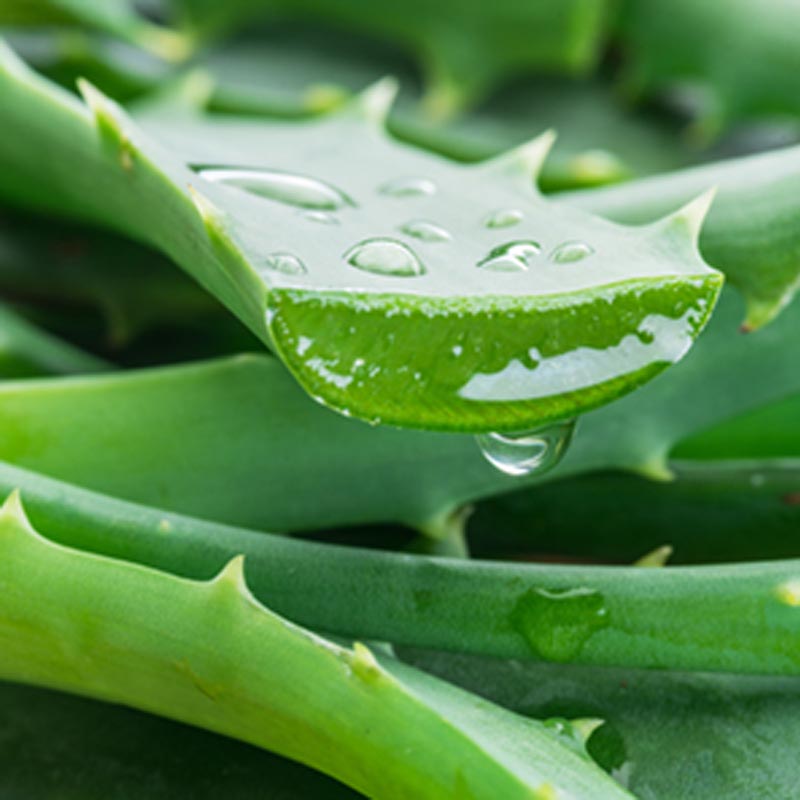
<point x="733" y="63"/>
<point x="125" y="633"/>
<point x="585" y="614"/>
<point x="220" y="425"/>
<point x="752" y="232"/>
<point x="27" y="350"/>
<point x="52" y="264"/>
<point x="409" y="305"/>
<point x="768" y="432"/>
<point x="750" y="510"/>
<point x="117" y="17"/>
<point x="64" y="748"/>
<point x="290" y="72"/>
<point x="668" y="736"/>
<point x="462" y="61"/>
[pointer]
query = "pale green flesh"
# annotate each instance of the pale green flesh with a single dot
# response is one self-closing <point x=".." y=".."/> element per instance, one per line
<point x="221" y="425"/>
<point x="226" y="243"/>
<point x="208" y="653"/>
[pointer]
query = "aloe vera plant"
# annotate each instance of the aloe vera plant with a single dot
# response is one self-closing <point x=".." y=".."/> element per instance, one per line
<point x="492" y="345"/>
<point x="531" y="555"/>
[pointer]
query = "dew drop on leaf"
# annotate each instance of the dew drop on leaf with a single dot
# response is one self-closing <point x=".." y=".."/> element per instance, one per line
<point x="511" y="257"/>
<point x="568" y="252"/>
<point x="535" y="451"/>
<point x="557" y="623"/>
<point x="285" y="187"/>
<point x="425" y="231"/>
<point x="285" y="263"/>
<point x="384" y="257"/>
<point x="504" y="218"/>
<point x="322" y="217"/>
<point x="408" y="187"/>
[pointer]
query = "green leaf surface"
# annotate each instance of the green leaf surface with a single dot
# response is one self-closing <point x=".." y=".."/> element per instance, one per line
<point x="461" y="62"/>
<point x="752" y="232"/>
<point x="668" y="736"/>
<point x="117" y="17"/>
<point x="566" y="613"/>
<point x="74" y="269"/>
<point x="731" y="62"/>
<point x="208" y="653"/>
<point x="26" y="350"/>
<point x="750" y="510"/>
<point x="418" y="275"/>
<point x="70" y="748"/>
<point x="221" y="425"/>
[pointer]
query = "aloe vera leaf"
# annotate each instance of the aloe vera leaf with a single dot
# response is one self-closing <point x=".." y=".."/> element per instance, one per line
<point x="750" y="511"/>
<point x="461" y="62"/>
<point x="69" y="748"/>
<point x="117" y="17"/>
<point x="751" y="233"/>
<point x="735" y="63"/>
<point x="288" y="72"/>
<point x="624" y="302"/>
<point x="27" y="350"/>
<point x="220" y="425"/>
<point x="733" y="736"/>
<point x="55" y="264"/>
<point x="612" y="616"/>
<point x="767" y="432"/>
<point x="125" y="633"/>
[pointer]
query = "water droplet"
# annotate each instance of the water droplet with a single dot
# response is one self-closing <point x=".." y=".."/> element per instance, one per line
<point x="322" y="217"/>
<point x="524" y="453"/>
<point x="504" y="218"/>
<point x="426" y="231"/>
<point x="557" y="623"/>
<point x="285" y="263"/>
<point x="384" y="257"/>
<point x="285" y="187"/>
<point x="568" y="252"/>
<point x="511" y="257"/>
<point x="408" y="187"/>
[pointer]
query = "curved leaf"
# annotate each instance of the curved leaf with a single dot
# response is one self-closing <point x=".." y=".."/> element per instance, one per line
<point x="417" y="275"/>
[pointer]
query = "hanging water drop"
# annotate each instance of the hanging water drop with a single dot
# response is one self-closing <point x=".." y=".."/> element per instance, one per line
<point x="384" y="257"/>
<point x="568" y="252"/>
<point x="504" y="218"/>
<point x="511" y="257"/>
<point x="285" y="187"/>
<point x="425" y="231"/>
<point x="535" y="451"/>
<point x="286" y="263"/>
<point x="408" y="187"/>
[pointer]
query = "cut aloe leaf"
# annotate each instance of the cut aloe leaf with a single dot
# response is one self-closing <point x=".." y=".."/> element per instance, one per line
<point x="386" y="285"/>
<point x="231" y="416"/>
<point x="129" y="634"/>
<point x="752" y="232"/>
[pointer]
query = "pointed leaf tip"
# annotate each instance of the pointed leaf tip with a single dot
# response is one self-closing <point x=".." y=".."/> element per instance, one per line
<point x="10" y="62"/>
<point x="375" y="102"/>
<point x="655" y="558"/>
<point x="13" y="510"/>
<point x="526" y="159"/>
<point x="693" y="213"/>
